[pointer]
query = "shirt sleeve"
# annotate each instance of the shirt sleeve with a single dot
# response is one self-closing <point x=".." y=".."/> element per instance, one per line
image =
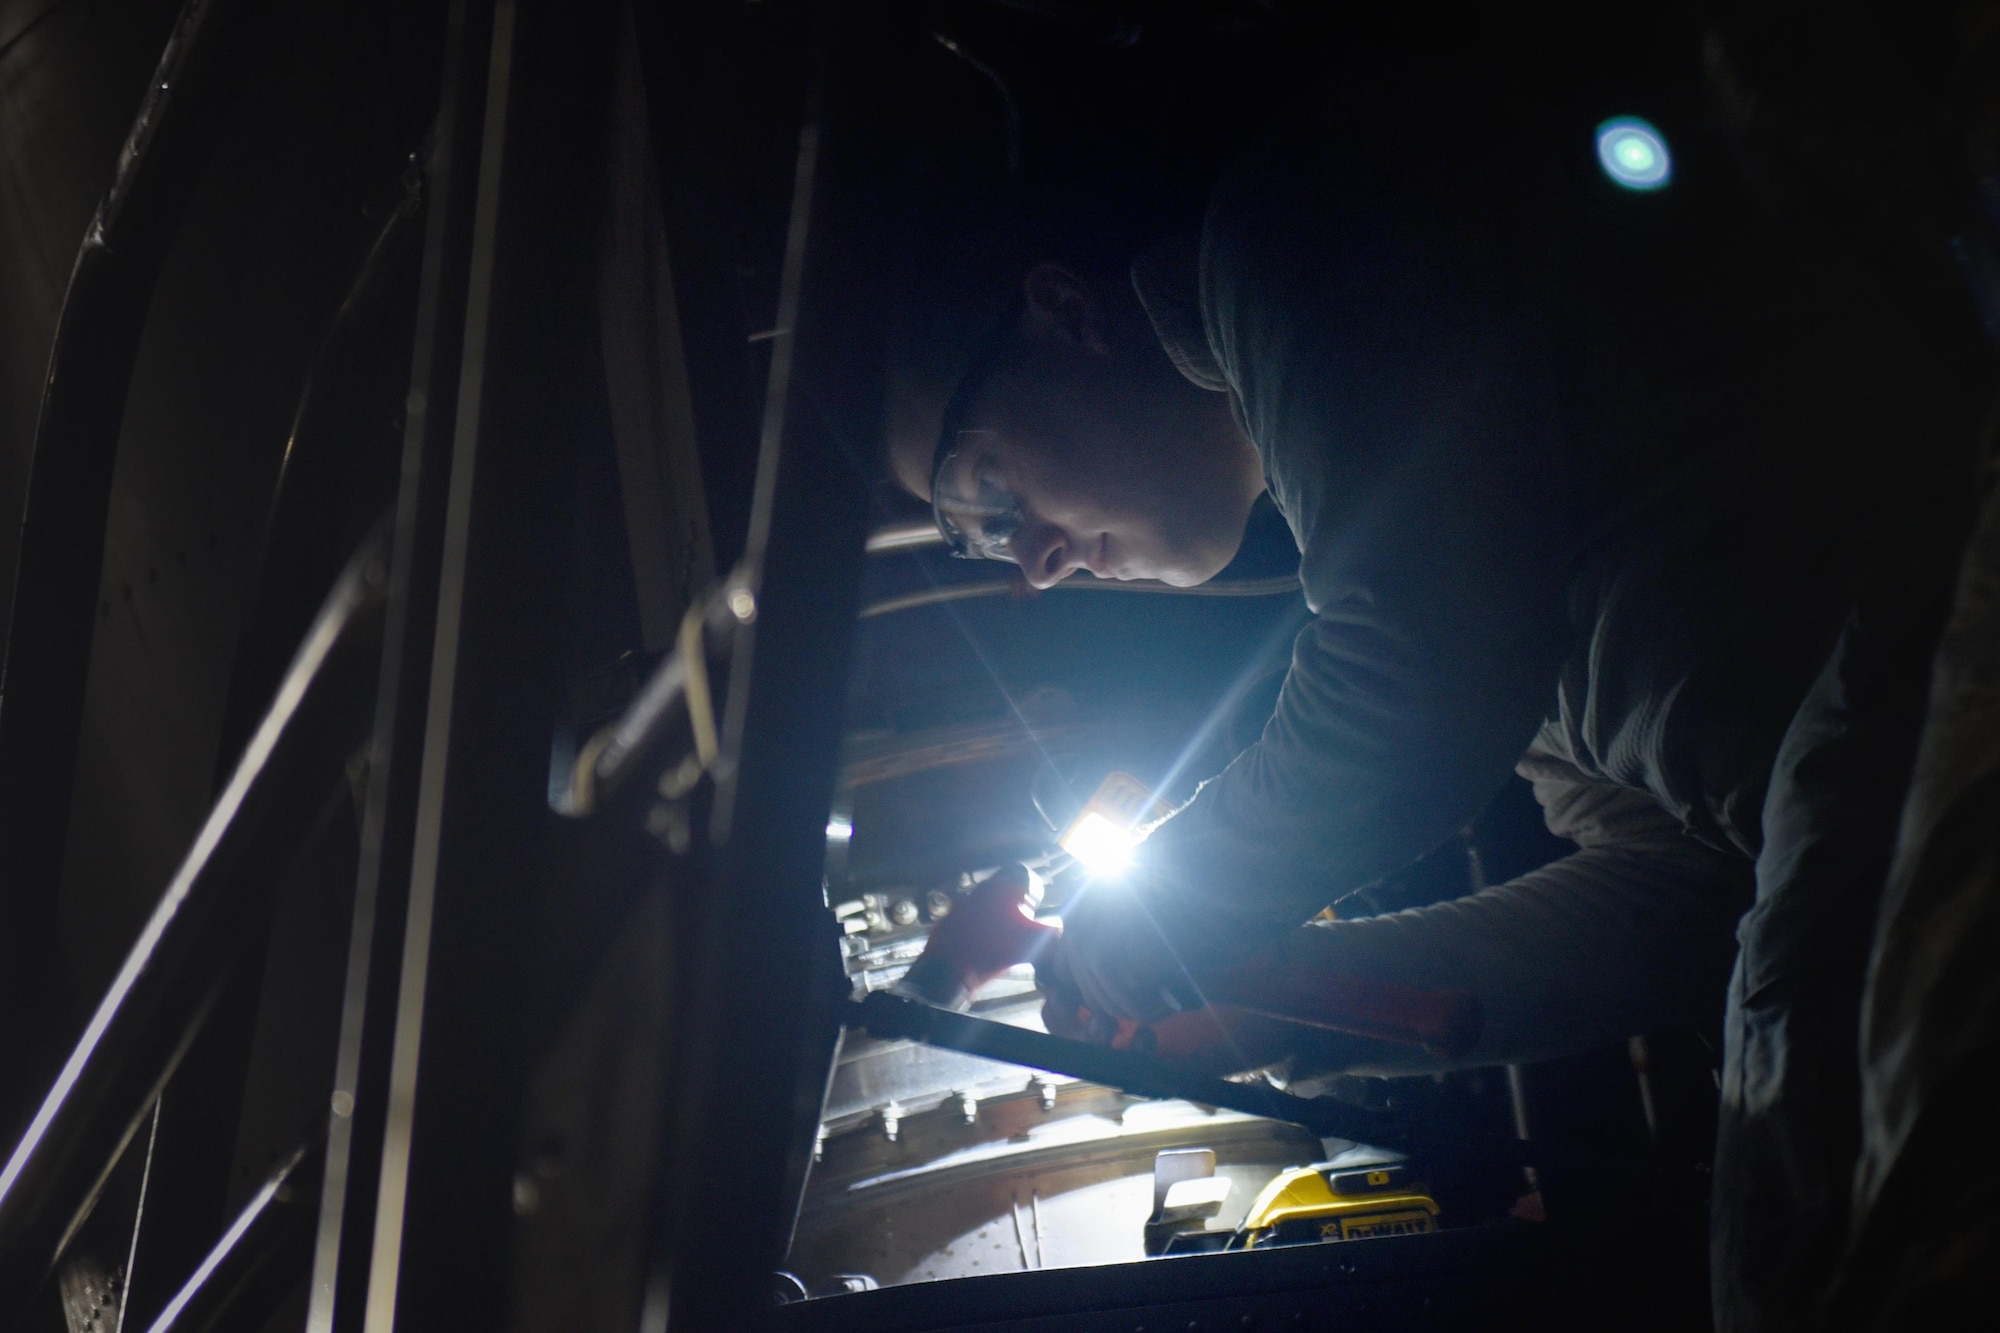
<point x="1370" y="313"/>
<point x="1374" y="756"/>
<point x="1633" y="932"/>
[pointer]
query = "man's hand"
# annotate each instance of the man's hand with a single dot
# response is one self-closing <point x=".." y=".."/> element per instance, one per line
<point x="992" y="930"/>
<point x="1111" y="963"/>
<point x="1064" y="1013"/>
<point x="1208" y="1040"/>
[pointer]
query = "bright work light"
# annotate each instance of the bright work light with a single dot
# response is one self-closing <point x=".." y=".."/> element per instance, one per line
<point x="1106" y="830"/>
<point x="1101" y="845"/>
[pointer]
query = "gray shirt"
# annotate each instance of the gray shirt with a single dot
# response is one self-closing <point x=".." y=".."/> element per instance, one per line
<point x="1574" y="475"/>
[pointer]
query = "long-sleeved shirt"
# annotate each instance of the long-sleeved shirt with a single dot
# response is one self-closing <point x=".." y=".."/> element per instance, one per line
<point x="1567" y="465"/>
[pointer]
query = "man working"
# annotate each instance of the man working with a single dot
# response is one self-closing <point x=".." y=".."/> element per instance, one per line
<point x="1593" y="473"/>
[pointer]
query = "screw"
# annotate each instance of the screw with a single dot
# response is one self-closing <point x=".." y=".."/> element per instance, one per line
<point x="742" y="604"/>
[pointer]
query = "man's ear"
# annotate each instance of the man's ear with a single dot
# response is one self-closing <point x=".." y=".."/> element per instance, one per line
<point x="1064" y="305"/>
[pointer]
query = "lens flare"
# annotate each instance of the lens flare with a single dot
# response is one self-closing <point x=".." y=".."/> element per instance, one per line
<point x="1103" y="846"/>
<point x="1633" y="153"/>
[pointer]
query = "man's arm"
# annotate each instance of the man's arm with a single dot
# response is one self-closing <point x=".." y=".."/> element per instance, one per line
<point x="1366" y="303"/>
<point x="1633" y="932"/>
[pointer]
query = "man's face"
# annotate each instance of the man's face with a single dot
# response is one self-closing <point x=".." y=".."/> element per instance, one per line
<point x="1080" y="451"/>
<point x="1072" y="498"/>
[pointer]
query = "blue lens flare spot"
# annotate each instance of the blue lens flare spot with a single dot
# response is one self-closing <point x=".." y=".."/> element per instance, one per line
<point x="1633" y="153"/>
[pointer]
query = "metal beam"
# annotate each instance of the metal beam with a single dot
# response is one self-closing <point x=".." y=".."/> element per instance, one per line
<point x="249" y="1267"/>
<point x="459" y="843"/>
<point x="143" y="1024"/>
<point x="757" y="1026"/>
<point x="893" y="1017"/>
<point x="346" y="1219"/>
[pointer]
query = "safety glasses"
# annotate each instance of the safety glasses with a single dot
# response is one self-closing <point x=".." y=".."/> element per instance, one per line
<point x="976" y="514"/>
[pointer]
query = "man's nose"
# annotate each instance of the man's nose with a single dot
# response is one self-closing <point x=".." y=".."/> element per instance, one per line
<point x="1048" y="556"/>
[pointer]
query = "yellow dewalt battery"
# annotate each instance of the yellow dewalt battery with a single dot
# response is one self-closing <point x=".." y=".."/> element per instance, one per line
<point x="1307" y="1204"/>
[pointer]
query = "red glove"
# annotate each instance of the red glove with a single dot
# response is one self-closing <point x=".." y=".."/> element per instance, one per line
<point x="1117" y="960"/>
<point x="989" y="931"/>
<point x="1209" y="1040"/>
